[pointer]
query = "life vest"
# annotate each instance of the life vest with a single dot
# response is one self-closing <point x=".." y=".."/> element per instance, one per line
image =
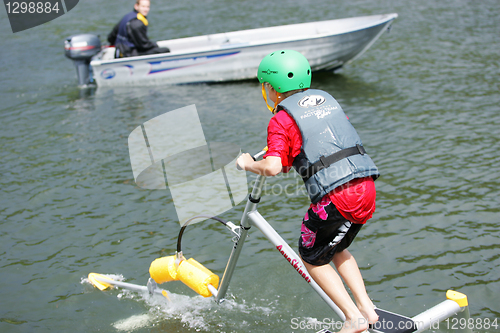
<point x="332" y="153"/>
<point x="122" y="37"/>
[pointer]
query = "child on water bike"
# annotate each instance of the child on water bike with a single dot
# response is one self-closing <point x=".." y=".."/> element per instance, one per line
<point x="310" y="132"/>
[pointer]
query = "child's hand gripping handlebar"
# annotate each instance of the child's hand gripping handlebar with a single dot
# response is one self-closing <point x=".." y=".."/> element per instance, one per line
<point x="255" y="157"/>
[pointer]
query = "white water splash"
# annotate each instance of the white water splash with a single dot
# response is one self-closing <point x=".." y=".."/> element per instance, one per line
<point x="200" y="313"/>
<point x="196" y="312"/>
<point x="134" y="322"/>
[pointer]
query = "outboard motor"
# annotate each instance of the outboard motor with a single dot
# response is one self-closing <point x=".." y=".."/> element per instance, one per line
<point x="81" y="49"/>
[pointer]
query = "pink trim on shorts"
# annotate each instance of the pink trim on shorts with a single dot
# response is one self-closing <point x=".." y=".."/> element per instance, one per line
<point x="308" y="237"/>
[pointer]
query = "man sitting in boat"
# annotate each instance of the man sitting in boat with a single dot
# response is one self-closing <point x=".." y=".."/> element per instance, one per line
<point x="130" y="35"/>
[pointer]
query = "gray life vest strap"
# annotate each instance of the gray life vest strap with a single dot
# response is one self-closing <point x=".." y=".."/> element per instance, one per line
<point x="325" y="161"/>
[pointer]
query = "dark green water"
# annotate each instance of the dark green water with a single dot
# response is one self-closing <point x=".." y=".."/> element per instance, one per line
<point x="425" y="100"/>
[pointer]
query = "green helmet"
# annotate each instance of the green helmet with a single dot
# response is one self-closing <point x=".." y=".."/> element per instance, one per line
<point x="285" y="70"/>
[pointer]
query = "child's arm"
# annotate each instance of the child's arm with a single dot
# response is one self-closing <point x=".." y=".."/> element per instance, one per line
<point x="270" y="166"/>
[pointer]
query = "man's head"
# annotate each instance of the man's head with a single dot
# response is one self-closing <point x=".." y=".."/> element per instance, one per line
<point x="142" y="6"/>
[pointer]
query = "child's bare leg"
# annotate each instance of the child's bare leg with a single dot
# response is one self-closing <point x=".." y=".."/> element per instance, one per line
<point x="349" y="271"/>
<point x="328" y="279"/>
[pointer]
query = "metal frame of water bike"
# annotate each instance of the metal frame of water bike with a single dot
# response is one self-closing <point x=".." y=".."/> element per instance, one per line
<point x="251" y="217"/>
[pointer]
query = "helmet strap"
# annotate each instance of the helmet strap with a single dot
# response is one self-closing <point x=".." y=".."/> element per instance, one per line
<point x="264" y="94"/>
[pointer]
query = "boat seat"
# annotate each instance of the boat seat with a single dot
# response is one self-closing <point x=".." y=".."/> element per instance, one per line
<point x="108" y="53"/>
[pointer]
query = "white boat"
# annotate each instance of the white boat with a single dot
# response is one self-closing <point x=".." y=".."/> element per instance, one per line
<point x="328" y="45"/>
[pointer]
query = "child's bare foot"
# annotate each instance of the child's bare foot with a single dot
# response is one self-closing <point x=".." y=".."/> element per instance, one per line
<point x="369" y="313"/>
<point x="354" y="325"/>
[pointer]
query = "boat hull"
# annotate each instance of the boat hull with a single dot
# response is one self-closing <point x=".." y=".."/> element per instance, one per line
<point x="236" y="55"/>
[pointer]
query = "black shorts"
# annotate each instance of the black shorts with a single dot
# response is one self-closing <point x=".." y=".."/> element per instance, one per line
<point x="325" y="232"/>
